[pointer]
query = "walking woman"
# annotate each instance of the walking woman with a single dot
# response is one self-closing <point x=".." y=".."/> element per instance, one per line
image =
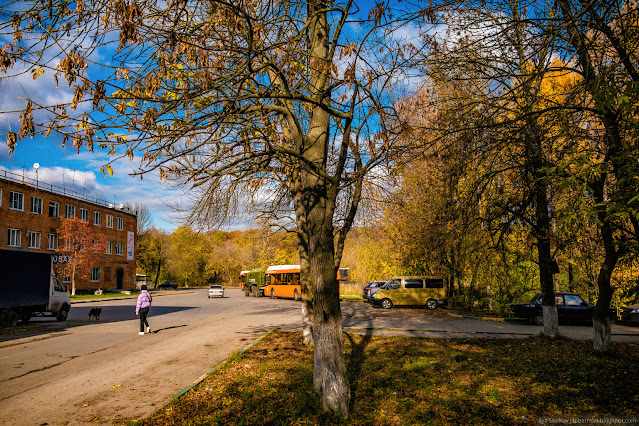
<point x="142" y="309"/>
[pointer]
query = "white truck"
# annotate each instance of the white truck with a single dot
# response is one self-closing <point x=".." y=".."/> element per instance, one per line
<point x="29" y="287"/>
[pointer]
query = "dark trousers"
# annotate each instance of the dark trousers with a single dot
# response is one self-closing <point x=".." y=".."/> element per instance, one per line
<point x="143" y="313"/>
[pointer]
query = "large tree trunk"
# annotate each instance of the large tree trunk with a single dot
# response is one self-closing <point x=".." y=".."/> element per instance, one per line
<point x="314" y="212"/>
<point x="329" y="377"/>
<point x="551" y="319"/>
<point x="534" y="164"/>
<point x="542" y="229"/>
<point x="601" y="314"/>
<point x="321" y="298"/>
<point x="595" y="84"/>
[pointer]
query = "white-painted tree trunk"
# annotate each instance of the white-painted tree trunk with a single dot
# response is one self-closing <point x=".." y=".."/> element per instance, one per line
<point x="601" y="334"/>
<point x="551" y="321"/>
<point x="307" y="330"/>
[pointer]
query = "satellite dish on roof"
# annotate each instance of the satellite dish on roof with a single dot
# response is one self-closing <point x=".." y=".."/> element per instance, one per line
<point x="36" y="165"/>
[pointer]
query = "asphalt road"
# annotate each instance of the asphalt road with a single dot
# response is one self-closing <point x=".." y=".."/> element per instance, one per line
<point x="82" y="371"/>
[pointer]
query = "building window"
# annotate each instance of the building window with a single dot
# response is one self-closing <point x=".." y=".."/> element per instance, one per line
<point x="16" y="201"/>
<point x="66" y="279"/>
<point x="36" y="205"/>
<point x="34" y="239"/>
<point x="14" y="237"/>
<point x="118" y="249"/>
<point x="70" y="211"/>
<point x="84" y="214"/>
<point x="120" y="224"/>
<point x="97" y="218"/>
<point x="52" y="242"/>
<point x="95" y="274"/>
<point x="109" y="221"/>
<point x="54" y="209"/>
<point x="109" y="247"/>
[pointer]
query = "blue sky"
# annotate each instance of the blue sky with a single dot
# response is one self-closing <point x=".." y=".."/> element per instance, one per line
<point x="63" y="166"/>
<point x="81" y="173"/>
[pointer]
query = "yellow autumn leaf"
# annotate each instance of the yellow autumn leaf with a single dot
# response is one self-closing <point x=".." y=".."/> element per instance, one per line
<point x="37" y="72"/>
<point x="109" y="169"/>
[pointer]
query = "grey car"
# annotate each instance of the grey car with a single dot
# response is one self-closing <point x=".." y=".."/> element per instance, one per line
<point x="630" y="315"/>
<point x="369" y="289"/>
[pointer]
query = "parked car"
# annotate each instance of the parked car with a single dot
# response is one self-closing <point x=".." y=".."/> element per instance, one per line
<point x="418" y="290"/>
<point x="167" y="285"/>
<point x="571" y="307"/>
<point x="630" y="315"/>
<point x="216" y="290"/>
<point x="369" y="289"/>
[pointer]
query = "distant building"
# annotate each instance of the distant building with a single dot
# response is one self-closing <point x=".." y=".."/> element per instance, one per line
<point x="30" y="218"/>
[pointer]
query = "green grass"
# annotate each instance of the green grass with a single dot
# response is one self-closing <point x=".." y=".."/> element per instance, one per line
<point x="351" y="298"/>
<point x="351" y="292"/>
<point x="407" y="381"/>
<point x="102" y="296"/>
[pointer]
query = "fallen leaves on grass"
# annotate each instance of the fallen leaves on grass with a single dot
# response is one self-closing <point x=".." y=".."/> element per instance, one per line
<point x="418" y="381"/>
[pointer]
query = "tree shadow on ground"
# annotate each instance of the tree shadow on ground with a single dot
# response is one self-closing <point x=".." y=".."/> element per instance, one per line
<point x="79" y="316"/>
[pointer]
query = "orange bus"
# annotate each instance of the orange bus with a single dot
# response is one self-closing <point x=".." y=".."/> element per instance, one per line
<point x="283" y="281"/>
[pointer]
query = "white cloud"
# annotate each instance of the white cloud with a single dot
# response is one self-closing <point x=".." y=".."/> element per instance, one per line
<point x="17" y="84"/>
<point x="407" y="33"/>
<point x="118" y="189"/>
<point x="16" y="88"/>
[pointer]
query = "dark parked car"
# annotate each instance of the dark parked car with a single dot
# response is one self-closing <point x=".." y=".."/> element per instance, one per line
<point x="571" y="307"/>
<point x="630" y="315"/>
<point x="167" y="285"/>
<point x="370" y="288"/>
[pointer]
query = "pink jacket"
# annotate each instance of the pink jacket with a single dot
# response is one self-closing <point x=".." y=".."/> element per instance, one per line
<point x="144" y="301"/>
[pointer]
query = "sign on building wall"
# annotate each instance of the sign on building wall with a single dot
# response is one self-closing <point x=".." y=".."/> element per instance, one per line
<point x="130" y="245"/>
<point x="60" y="258"/>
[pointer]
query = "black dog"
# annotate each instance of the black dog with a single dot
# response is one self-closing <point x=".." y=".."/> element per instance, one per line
<point x="94" y="313"/>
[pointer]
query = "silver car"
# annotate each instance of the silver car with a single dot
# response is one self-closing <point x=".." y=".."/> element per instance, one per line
<point x="216" y="290"/>
<point x="370" y="289"/>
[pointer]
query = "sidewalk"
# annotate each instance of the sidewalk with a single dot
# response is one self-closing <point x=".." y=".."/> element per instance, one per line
<point x="362" y="319"/>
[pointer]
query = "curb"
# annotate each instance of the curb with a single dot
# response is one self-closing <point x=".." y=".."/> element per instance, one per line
<point x="438" y="331"/>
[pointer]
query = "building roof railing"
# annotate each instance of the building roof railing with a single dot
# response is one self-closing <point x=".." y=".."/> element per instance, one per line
<point x="61" y="190"/>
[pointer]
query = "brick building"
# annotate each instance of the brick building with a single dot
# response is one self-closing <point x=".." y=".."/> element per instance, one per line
<point x="30" y="217"/>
